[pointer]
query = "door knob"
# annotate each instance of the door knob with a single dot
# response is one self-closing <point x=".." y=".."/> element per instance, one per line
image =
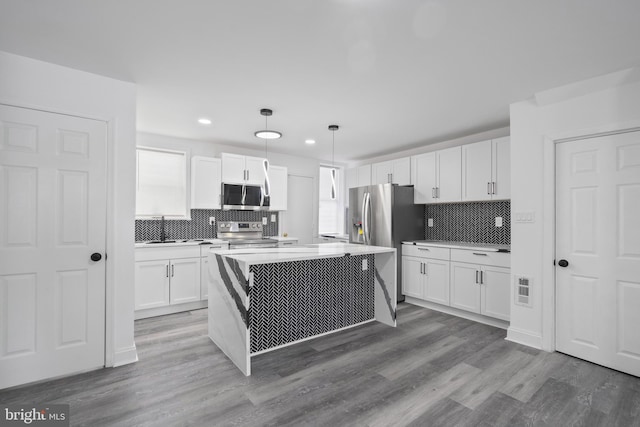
<point x="563" y="263"/>
<point x="96" y="256"/>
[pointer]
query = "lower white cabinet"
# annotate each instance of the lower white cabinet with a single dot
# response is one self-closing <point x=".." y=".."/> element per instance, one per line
<point x="426" y="278"/>
<point x="184" y="280"/>
<point x="473" y="281"/>
<point x="152" y="284"/>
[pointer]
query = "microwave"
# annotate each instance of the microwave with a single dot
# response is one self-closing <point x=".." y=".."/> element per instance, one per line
<point x="244" y="197"/>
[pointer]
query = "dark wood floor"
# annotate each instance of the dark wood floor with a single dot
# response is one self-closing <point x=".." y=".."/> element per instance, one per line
<point x="433" y="370"/>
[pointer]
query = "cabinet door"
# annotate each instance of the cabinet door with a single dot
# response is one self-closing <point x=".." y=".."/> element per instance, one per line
<point x="437" y="281"/>
<point x="423" y="177"/>
<point x="449" y="166"/>
<point x="364" y="175"/>
<point x="151" y="284"/>
<point x="255" y="170"/>
<point x="232" y="168"/>
<point x="476" y="171"/>
<point x="185" y="280"/>
<point x="401" y="171"/>
<point x="412" y="277"/>
<point x="278" y="180"/>
<point x="204" y="281"/>
<point x="206" y="174"/>
<point x="496" y="292"/>
<point x="502" y="168"/>
<point x="352" y="178"/>
<point x="465" y="290"/>
<point x="381" y="172"/>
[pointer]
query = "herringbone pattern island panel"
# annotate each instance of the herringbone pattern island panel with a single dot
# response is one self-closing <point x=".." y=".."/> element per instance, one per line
<point x="289" y="300"/>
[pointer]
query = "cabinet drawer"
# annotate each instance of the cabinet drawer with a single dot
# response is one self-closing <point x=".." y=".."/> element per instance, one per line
<point x="498" y="259"/>
<point x="426" y="251"/>
<point x="172" y="252"/>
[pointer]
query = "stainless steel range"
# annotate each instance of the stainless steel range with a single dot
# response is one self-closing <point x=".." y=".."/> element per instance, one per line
<point x="242" y="235"/>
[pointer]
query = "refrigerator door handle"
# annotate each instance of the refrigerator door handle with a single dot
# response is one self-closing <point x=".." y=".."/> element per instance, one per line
<point x="368" y="216"/>
<point x="364" y="218"/>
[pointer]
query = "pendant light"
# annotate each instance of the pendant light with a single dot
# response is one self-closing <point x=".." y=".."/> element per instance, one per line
<point x="266" y="134"/>
<point x="333" y="129"/>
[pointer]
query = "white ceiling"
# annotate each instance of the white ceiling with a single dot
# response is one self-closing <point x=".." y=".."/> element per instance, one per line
<point x="393" y="74"/>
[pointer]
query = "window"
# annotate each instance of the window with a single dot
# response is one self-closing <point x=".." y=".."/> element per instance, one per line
<point x="329" y="214"/>
<point x="161" y="183"/>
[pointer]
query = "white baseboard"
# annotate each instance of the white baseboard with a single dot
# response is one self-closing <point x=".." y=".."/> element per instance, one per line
<point x="457" y="312"/>
<point x="125" y="356"/>
<point x="170" y="309"/>
<point x="524" y="337"/>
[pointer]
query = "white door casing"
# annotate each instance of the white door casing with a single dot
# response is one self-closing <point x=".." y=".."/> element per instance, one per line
<point x="52" y="218"/>
<point x="598" y="233"/>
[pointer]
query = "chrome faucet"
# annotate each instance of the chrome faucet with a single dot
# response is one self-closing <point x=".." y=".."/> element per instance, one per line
<point x="163" y="235"/>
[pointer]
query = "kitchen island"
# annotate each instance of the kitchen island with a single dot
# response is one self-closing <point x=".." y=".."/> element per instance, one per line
<point x="264" y="299"/>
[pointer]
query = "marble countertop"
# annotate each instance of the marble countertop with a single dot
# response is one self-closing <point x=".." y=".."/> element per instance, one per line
<point x="489" y="247"/>
<point x="179" y="242"/>
<point x="302" y="252"/>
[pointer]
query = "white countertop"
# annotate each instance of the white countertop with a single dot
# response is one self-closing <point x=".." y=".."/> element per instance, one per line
<point x="488" y="247"/>
<point x="281" y="238"/>
<point x="298" y="253"/>
<point x="179" y="243"/>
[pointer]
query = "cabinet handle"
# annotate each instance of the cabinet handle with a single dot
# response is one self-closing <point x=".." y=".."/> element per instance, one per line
<point x="247" y="174"/>
<point x="425" y="269"/>
<point x="493" y="187"/>
<point x="476" y="276"/>
<point x="481" y="278"/>
<point x="423" y="249"/>
<point x="433" y="193"/>
<point x="488" y="188"/>
<point x="479" y="253"/>
<point x="167" y="270"/>
<point x="172" y="270"/>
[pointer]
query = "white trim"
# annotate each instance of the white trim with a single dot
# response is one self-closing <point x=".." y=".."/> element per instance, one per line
<point x="457" y="312"/>
<point x="548" y="282"/>
<point x="520" y="336"/>
<point x="310" y="338"/>
<point x="125" y="356"/>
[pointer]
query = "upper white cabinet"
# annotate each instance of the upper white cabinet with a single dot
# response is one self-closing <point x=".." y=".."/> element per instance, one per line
<point x="278" y="180"/>
<point x="206" y="175"/>
<point x="486" y="170"/>
<point x="397" y="171"/>
<point x="237" y="169"/>
<point x="437" y="176"/>
<point x="358" y="176"/>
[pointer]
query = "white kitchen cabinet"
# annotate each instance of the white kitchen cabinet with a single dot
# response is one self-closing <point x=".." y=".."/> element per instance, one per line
<point x="151" y="284"/>
<point x="237" y="169"/>
<point x="358" y="176"/>
<point x="425" y="273"/>
<point x="486" y="170"/>
<point x="397" y="171"/>
<point x="206" y="179"/>
<point x="481" y="288"/>
<point x="436" y="176"/>
<point x="184" y="280"/>
<point x="278" y="180"/>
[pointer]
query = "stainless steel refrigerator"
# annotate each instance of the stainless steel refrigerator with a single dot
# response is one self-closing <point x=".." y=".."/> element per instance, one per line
<point x="385" y="215"/>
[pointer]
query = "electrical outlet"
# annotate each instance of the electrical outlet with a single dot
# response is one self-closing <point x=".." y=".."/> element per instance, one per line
<point x="212" y="220"/>
<point x="264" y="220"/>
<point x="273" y="217"/>
<point x="498" y="221"/>
<point x="365" y="266"/>
<point x="430" y="222"/>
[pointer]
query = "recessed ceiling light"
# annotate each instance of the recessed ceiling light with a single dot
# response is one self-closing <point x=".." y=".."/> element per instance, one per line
<point x="310" y="141"/>
<point x="204" y="121"/>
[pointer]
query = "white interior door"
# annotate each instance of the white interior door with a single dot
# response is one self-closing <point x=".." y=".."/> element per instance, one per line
<point x="598" y="234"/>
<point x="52" y="219"/>
<point x="299" y="218"/>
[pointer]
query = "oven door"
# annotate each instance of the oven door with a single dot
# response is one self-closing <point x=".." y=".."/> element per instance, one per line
<point x="244" y="197"/>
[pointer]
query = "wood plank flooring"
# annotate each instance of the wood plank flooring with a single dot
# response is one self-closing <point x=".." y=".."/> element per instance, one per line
<point x="433" y="370"/>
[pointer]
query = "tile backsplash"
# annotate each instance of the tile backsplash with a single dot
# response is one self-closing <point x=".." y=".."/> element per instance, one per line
<point x="469" y="222"/>
<point x="198" y="227"/>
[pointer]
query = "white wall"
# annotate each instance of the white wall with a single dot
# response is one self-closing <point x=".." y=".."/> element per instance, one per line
<point x="29" y="83"/>
<point x="302" y="166"/>
<point x="598" y="105"/>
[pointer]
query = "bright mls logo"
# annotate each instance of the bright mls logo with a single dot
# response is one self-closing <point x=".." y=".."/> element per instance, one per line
<point x="36" y="415"/>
